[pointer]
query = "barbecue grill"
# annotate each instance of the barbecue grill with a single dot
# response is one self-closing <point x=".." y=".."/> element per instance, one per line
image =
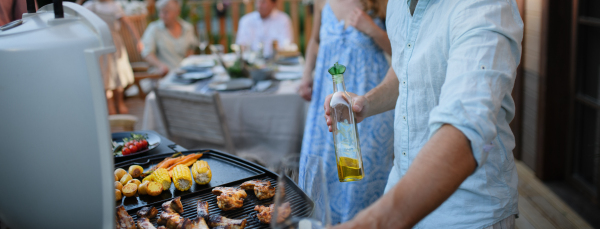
<point x="228" y="171"/>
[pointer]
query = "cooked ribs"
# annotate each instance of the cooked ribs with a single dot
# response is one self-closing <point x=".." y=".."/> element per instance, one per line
<point x="170" y="216"/>
<point x="202" y="209"/>
<point x="124" y="220"/>
<point x="173" y="205"/>
<point x="262" y="189"/>
<point x="198" y="223"/>
<point x="144" y="223"/>
<point x="229" y="198"/>
<point x="148" y="212"/>
<point x="169" y="219"/>
<point x="265" y="213"/>
<point x="217" y="221"/>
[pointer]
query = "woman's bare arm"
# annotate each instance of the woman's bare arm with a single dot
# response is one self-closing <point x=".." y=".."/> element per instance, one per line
<point x="311" y="54"/>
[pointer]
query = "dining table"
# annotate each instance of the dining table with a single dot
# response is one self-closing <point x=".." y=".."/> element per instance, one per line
<point x="265" y="121"/>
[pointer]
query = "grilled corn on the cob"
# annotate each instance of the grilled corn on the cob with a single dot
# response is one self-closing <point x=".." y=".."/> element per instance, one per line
<point x="160" y="176"/>
<point x="182" y="178"/>
<point x="201" y="172"/>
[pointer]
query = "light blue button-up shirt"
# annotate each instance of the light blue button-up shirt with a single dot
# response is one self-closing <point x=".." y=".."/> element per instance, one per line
<point x="456" y="62"/>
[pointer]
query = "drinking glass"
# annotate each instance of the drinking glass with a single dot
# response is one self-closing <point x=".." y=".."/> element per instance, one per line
<point x="203" y="37"/>
<point x="313" y="214"/>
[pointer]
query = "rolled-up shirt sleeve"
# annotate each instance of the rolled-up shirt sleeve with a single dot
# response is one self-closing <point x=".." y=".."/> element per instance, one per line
<point x="485" y="50"/>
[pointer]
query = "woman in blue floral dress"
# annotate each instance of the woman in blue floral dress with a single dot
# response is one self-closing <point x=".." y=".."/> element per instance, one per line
<point x="344" y="33"/>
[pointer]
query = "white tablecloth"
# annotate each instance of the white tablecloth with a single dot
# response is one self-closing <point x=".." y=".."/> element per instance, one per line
<point x="268" y="125"/>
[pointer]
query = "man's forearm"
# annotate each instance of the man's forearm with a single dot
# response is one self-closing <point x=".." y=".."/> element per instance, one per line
<point x="442" y="165"/>
<point x="383" y="97"/>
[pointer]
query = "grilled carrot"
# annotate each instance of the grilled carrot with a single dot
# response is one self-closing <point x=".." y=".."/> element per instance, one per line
<point x="189" y="159"/>
<point x="174" y="156"/>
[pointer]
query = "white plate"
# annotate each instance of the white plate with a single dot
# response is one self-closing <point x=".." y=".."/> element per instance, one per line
<point x="197" y="75"/>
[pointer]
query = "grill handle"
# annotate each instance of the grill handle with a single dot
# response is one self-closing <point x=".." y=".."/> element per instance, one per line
<point x="58" y="9"/>
<point x="31" y="6"/>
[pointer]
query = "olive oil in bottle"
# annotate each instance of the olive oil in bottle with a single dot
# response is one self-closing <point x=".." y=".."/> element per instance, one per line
<point x="345" y="132"/>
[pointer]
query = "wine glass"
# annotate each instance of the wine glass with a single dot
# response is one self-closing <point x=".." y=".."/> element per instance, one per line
<point x="315" y="187"/>
<point x="203" y="37"/>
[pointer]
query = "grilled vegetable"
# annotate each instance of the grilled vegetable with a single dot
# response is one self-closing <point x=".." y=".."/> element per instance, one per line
<point x="201" y="172"/>
<point x="135" y="181"/>
<point x="143" y="188"/>
<point x="161" y="176"/>
<point x="129" y="190"/>
<point x="160" y="164"/>
<point x="118" y="185"/>
<point x="154" y="189"/>
<point x="126" y="178"/>
<point x="120" y="173"/>
<point x="118" y="195"/>
<point x="135" y="171"/>
<point x="116" y="177"/>
<point x="187" y="160"/>
<point x="182" y="178"/>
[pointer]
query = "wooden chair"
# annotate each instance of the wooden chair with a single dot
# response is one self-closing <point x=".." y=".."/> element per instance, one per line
<point x="138" y="64"/>
<point x="195" y="116"/>
<point x="122" y="122"/>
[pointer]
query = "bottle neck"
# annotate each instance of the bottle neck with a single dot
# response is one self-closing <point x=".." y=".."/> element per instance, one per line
<point x="338" y="81"/>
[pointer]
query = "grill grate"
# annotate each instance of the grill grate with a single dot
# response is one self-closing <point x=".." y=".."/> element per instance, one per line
<point x="301" y="205"/>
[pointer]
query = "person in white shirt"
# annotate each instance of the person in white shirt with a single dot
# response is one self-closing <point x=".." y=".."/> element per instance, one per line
<point x="260" y="28"/>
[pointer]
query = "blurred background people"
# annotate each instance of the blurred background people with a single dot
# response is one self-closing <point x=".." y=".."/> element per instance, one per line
<point x="116" y="70"/>
<point x="168" y="40"/>
<point x="11" y="10"/>
<point x="267" y="24"/>
<point x="353" y="34"/>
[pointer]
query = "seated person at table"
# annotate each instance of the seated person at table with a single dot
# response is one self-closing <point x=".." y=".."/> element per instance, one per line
<point x="168" y="40"/>
<point x="264" y="26"/>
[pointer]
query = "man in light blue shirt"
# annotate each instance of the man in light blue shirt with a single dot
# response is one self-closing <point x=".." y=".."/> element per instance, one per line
<point x="453" y="69"/>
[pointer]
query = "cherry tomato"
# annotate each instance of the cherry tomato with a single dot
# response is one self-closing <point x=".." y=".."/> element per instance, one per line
<point x="139" y="145"/>
<point x="127" y="144"/>
<point x="133" y="148"/>
<point x="125" y="151"/>
<point x="145" y="143"/>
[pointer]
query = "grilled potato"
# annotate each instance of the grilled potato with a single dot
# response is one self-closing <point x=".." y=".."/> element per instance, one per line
<point x="135" y="171"/>
<point x="135" y="181"/>
<point x="118" y="195"/>
<point x="154" y="188"/>
<point x="143" y="188"/>
<point x="116" y="177"/>
<point x="126" y="178"/>
<point x="130" y="189"/>
<point x="118" y="186"/>
<point x="120" y="173"/>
